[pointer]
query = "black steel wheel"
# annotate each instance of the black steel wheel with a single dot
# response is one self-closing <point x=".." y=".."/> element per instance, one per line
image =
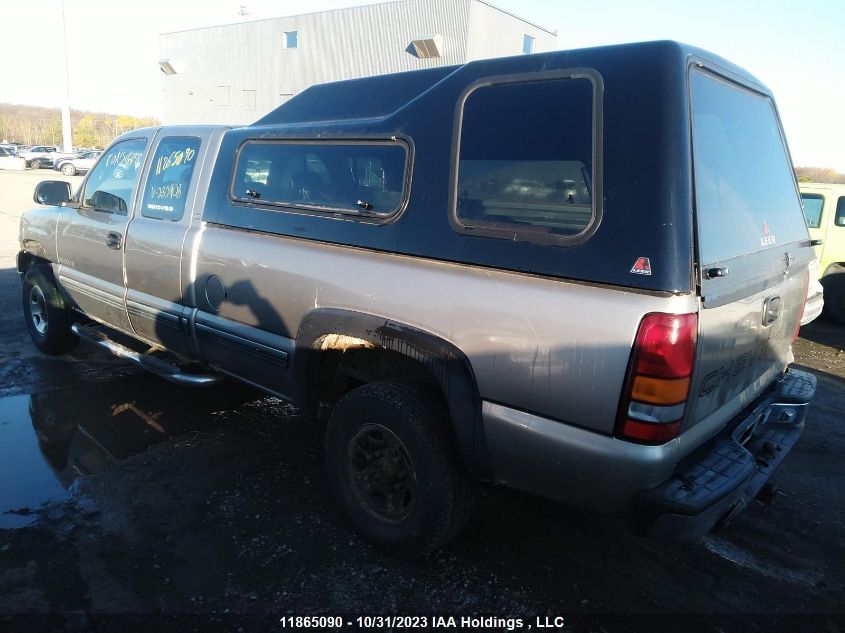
<point x="394" y="467"/>
<point x="381" y="472"/>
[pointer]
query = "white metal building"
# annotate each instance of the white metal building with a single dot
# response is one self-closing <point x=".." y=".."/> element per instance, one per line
<point x="235" y="73"/>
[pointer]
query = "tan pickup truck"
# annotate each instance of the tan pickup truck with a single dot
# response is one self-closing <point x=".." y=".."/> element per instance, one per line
<point x="530" y="270"/>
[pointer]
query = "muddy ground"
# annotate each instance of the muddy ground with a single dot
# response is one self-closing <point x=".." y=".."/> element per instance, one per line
<point x="214" y="508"/>
<point x="129" y="504"/>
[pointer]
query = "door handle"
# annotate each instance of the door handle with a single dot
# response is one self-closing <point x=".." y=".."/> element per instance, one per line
<point x="771" y="310"/>
<point x="113" y="241"/>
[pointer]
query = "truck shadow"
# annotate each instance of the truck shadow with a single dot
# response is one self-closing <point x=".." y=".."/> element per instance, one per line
<point x="825" y="332"/>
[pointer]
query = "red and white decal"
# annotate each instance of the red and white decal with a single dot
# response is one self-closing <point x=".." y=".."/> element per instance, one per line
<point x="767" y="238"/>
<point x="642" y="266"/>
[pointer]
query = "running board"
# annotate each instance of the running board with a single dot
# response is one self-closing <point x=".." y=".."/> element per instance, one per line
<point x="158" y="366"/>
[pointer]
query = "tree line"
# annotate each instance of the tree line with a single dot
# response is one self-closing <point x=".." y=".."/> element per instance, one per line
<point x="33" y="125"/>
<point x="819" y="174"/>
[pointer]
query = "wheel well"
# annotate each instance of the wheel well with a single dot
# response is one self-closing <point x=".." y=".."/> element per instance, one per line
<point x="346" y="362"/>
<point x="833" y="269"/>
<point x="338" y="350"/>
<point x="28" y="260"/>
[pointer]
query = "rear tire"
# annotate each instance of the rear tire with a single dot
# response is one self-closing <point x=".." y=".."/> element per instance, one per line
<point x="48" y="320"/>
<point x="394" y="467"/>
<point x="834" y="294"/>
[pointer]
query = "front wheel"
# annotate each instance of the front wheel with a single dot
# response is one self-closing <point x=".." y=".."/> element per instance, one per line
<point x="394" y="467"/>
<point x="48" y="320"/>
<point x="68" y="169"/>
<point x="35" y="164"/>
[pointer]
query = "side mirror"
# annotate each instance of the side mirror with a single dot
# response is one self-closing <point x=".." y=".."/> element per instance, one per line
<point x="108" y="202"/>
<point x="52" y="193"/>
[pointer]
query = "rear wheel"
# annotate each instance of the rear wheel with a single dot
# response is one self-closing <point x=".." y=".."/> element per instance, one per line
<point x="395" y="469"/>
<point x="834" y="294"/>
<point x="68" y="169"/>
<point x="48" y="320"/>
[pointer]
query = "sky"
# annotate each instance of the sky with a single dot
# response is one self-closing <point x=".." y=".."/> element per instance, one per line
<point x="796" y="48"/>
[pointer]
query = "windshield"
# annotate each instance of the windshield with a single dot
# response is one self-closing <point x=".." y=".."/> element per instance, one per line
<point x="745" y="193"/>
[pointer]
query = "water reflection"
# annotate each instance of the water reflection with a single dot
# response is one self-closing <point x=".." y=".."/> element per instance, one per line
<point x="79" y="432"/>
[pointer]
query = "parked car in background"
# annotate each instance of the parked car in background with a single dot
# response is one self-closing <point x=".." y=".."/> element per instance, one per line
<point x="77" y="164"/>
<point x="9" y="160"/>
<point x="824" y="210"/>
<point x="39" y="156"/>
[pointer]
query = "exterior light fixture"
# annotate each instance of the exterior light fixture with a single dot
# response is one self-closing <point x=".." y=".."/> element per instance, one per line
<point x="426" y="46"/>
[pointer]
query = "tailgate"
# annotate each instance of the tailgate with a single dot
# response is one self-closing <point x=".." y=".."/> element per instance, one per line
<point x="752" y="248"/>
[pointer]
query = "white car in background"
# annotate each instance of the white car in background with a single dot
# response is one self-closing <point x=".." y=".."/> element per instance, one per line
<point x="39" y="156"/>
<point x="8" y="160"/>
<point x="78" y="164"/>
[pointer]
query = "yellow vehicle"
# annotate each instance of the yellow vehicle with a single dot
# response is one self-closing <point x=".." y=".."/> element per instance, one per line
<point x="824" y="209"/>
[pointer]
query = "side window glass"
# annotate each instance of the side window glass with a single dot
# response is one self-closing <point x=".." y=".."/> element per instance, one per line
<point x="170" y="176"/>
<point x="365" y="178"/>
<point x="840" y="212"/>
<point x="813" y="204"/>
<point x="525" y="168"/>
<point x="111" y="183"/>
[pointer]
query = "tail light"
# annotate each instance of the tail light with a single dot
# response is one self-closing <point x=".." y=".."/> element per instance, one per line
<point x="658" y="381"/>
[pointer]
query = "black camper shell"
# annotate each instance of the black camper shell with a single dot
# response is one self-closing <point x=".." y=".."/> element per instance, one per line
<point x="638" y="142"/>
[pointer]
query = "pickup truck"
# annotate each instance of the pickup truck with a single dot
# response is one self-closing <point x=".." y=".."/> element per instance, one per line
<point x="531" y="271"/>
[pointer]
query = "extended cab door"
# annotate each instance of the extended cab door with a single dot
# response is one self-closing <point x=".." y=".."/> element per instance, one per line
<point x="91" y="232"/>
<point x="753" y="248"/>
<point x="171" y="197"/>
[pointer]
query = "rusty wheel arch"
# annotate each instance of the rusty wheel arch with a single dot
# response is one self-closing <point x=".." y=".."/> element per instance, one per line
<point x="361" y="348"/>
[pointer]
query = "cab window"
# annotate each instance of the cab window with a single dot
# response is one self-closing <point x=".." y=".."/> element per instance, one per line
<point x="170" y="176"/>
<point x="111" y="183"/>
<point x="840" y="212"/>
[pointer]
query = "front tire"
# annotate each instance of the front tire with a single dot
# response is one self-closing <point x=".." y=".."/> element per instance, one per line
<point x="48" y="320"/>
<point x="68" y="169"/>
<point x="35" y="164"/>
<point x="394" y="467"/>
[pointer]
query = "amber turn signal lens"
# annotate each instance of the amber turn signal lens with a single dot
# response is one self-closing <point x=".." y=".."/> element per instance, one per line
<point x="660" y="390"/>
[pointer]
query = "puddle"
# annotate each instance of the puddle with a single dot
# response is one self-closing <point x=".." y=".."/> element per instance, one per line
<point x="48" y="440"/>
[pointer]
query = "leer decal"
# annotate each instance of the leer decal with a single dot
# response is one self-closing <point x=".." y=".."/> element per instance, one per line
<point x="767" y="239"/>
<point x="642" y="266"/>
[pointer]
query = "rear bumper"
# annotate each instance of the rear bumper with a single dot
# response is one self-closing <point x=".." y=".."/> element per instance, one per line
<point x="719" y="480"/>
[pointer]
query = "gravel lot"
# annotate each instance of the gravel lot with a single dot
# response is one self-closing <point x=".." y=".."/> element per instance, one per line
<point x="210" y="511"/>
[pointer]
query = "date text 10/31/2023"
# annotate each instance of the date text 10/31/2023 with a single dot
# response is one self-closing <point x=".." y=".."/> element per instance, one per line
<point x="423" y="622"/>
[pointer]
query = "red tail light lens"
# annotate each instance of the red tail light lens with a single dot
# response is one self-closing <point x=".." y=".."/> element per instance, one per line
<point x="658" y="381"/>
<point x="665" y="346"/>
